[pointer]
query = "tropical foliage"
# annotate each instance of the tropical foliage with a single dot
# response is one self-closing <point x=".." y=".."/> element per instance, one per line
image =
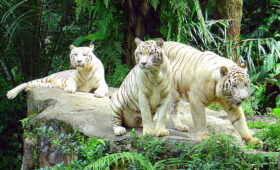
<point x="35" y="36"/>
<point x="218" y="152"/>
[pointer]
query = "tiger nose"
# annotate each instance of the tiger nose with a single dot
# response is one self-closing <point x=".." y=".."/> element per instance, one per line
<point x="143" y="63"/>
<point x="79" y="61"/>
<point x="243" y="98"/>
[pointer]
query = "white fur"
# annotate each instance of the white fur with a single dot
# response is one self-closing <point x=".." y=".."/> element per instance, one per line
<point x="201" y="81"/>
<point x="89" y="75"/>
<point x="149" y="85"/>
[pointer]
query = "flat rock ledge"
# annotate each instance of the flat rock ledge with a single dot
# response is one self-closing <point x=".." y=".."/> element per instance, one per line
<point x="90" y="116"/>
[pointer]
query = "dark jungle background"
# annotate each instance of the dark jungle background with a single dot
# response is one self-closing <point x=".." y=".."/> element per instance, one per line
<point x="35" y="36"/>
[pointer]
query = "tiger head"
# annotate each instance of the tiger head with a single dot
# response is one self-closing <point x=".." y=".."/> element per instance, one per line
<point x="81" y="57"/>
<point x="149" y="54"/>
<point x="234" y="83"/>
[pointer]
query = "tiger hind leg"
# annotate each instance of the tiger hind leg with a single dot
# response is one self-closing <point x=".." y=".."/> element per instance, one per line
<point x="38" y="84"/>
<point x="117" y="120"/>
<point x="175" y="115"/>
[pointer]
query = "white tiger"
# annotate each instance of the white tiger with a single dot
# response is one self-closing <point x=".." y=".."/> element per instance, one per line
<point x="88" y="75"/>
<point x="204" y="78"/>
<point x="144" y="92"/>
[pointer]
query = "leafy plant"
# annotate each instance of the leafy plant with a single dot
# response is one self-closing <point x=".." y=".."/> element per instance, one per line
<point x="257" y="125"/>
<point x="271" y="137"/>
<point x="276" y="112"/>
<point x="121" y="160"/>
<point x="256" y="103"/>
<point x="107" y="35"/>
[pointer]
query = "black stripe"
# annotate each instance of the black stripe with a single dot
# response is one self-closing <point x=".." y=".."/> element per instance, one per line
<point x="197" y="60"/>
<point x="236" y="120"/>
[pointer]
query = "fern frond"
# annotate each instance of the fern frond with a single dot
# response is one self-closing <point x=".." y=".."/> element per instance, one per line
<point x="106" y="2"/>
<point x="154" y="3"/>
<point x="121" y="159"/>
<point x="171" y="162"/>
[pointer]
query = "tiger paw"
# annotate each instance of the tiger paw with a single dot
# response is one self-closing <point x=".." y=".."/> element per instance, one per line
<point x="118" y="131"/>
<point x="99" y="93"/>
<point x="255" y="141"/>
<point x="70" y="90"/>
<point x="148" y="131"/>
<point x="161" y="132"/>
<point x="182" y="128"/>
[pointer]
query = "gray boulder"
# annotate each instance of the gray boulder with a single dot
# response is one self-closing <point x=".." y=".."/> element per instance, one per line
<point x="90" y="116"/>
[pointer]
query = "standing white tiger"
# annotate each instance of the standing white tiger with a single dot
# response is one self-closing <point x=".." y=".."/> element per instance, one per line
<point x="144" y="92"/>
<point x="204" y="78"/>
<point x="88" y="75"/>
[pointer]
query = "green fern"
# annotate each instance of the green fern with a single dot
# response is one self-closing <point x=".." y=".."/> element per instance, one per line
<point x="121" y="160"/>
<point x="154" y="3"/>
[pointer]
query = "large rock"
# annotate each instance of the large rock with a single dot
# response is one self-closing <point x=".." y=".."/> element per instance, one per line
<point x="90" y="116"/>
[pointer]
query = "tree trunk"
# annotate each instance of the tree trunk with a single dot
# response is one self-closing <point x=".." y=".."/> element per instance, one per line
<point x="232" y="10"/>
<point x="142" y="20"/>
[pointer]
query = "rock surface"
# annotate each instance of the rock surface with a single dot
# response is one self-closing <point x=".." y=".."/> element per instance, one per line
<point x="90" y="115"/>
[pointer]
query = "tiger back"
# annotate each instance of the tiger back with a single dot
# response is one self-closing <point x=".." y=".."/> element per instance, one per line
<point x="144" y="92"/>
<point x="204" y="78"/>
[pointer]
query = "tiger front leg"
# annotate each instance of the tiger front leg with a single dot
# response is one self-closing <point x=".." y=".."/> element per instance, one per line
<point x="71" y="86"/>
<point x="162" y="110"/>
<point x="198" y="116"/>
<point x="147" y="120"/>
<point x="102" y="90"/>
<point x="238" y="120"/>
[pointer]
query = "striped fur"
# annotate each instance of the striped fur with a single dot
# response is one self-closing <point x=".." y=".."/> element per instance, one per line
<point x="88" y="75"/>
<point x="204" y="78"/>
<point x="144" y="92"/>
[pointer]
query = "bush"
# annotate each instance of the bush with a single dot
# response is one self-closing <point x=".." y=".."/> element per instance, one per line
<point x="271" y="137"/>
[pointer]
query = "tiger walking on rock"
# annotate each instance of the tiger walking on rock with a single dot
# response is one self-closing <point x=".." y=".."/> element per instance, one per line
<point x="88" y="75"/>
<point x="204" y="78"/>
<point x="144" y="92"/>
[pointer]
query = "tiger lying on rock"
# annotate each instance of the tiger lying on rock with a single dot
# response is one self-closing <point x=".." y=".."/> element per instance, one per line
<point x="204" y="78"/>
<point x="88" y="75"/>
<point x="144" y="92"/>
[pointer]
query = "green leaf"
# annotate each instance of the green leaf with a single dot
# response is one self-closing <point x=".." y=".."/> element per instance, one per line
<point x="278" y="101"/>
<point x="276" y="112"/>
<point x="275" y="81"/>
<point x="106" y="2"/>
<point x="154" y="3"/>
<point x="79" y="40"/>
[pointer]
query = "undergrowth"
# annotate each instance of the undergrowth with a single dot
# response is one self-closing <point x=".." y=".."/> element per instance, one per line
<point x="147" y="152"/>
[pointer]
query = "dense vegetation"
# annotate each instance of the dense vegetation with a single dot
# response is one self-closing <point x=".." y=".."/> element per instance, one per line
<point x="219" y="152"/>
<point x="36" y="34"/>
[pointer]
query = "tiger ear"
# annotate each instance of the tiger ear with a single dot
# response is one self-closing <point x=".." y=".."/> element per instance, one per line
<point x="138" y="41"/>
<point x="72" y="47"/>
<point x="91" y="46"/>
<point x="223" y="71"/>
<point x="159" y="42"/>
<point x="243" y="65"/>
